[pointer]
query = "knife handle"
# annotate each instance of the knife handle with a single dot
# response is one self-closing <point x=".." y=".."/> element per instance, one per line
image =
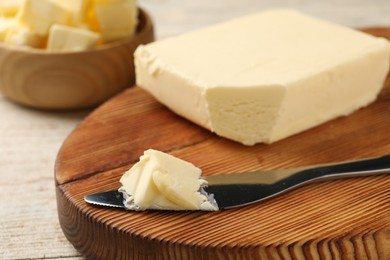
<point x="365" y="167"/>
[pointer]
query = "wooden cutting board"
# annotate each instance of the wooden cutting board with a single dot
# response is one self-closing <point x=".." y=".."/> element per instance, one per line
<point x="343" y="219"/>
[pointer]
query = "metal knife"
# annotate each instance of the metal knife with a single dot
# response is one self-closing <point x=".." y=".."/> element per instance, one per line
<point x="240" y="189"/>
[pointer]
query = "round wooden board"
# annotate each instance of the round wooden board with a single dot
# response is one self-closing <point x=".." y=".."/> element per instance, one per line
<point x="343" y="219"/>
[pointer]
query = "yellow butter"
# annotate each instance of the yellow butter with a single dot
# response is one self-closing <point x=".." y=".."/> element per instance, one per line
<point x="110" y="19"/>
<point x="20" y="35"/>
<point x="116" y="20"/>
<point x="9" y="7"/>
<point x="264" y="77"/>
<point x="39" y="15"/>
<point x="76" y="8"/>
<point x="5" y="24"/>
<point x="66" y="38"/>
<point x="103" y="2"/>
<point x="162" y="181"/>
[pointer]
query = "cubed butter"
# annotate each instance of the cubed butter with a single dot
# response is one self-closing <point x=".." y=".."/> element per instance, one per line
<point x="40" y="15"/>
<point x="264" y="77"/>
<point x="104" y="2"/>
<point x="110" y="19"/>
<point x="20" y="35"/>
<point x="67" y="38"/>
<point x="116" y="20"/>
<point x="76" y="8"/>
<point x="5" y="24"/>
<point x="9" y="7"/>
<point x="164" y="182"/>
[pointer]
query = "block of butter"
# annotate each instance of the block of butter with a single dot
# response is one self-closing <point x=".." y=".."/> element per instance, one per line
<point x="164" y="182"/>
<point x="266" y="76"/>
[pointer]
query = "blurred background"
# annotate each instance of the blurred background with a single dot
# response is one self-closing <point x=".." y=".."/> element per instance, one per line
<point x="178" y="16"/>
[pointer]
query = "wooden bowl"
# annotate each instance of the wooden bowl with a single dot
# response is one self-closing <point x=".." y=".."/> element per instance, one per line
<point x="71" y="80"/>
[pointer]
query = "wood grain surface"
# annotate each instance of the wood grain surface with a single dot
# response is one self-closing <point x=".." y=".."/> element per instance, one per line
<point x="343" y="219"/>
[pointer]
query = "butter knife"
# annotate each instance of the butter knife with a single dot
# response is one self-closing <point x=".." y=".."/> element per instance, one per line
<point x="240" y="189"/>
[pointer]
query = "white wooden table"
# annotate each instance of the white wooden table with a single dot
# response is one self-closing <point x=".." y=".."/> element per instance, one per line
<point x="30" y="139"/>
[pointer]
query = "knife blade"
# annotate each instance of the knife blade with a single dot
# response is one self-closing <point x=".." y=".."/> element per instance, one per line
<point x="240" y="189"/>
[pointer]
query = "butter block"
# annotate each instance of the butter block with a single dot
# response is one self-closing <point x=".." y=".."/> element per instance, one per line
<point x="39" y="15"/>
<point x="266" y="76"/>
<point x="67" y="38"/>
<point x="164" y="182"/>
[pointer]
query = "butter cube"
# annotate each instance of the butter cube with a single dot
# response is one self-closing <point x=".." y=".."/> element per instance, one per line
<point x="76" y="8"/>
<point x="91" y="19"/>
<point x="5" y="24"/>
<point x="66" y="38"/>
<point x="9" y="7"/>
<point x="96" y="3"/>
<point x="20" y="35"/>
<point x="116" y="20"/>
<point x="39" y="15"/>
<point x="104" y="2"/>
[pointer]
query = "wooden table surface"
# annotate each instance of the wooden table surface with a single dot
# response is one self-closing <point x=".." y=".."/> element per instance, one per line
<point x="30" y="139"/>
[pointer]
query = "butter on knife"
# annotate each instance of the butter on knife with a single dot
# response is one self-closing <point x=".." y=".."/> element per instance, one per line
<point x="161" y="181"/>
